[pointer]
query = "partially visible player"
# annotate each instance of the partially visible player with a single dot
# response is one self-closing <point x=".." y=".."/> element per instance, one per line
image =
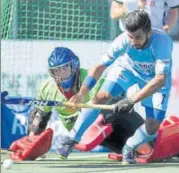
<point x="66" y="80"/>
<point x="142" y="56"/>
<point x="163" y="13"/>
<point x="120" y="8"/>
<point x="64" y="68"/>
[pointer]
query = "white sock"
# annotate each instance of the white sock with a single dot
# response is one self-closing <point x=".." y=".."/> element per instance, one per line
<point x="140" y="136"/>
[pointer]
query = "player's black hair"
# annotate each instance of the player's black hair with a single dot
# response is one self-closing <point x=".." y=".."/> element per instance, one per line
<point x="138" y="19"/>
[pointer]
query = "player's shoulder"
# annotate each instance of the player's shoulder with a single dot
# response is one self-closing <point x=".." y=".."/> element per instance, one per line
<point x="83" y="70"/>
<point x="123" y="35"/>
<point x="160" y="37"/>
<point x="83" y="74"/>
<point x="122" y="38"/>
<point x="48" y="84"/>
<point x="49" y="91"/>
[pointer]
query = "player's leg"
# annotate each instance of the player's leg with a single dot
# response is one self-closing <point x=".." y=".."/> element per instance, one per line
<point x="98" y="130"/>
<point x="87" y="117"/>
<point x="148" y="131"/>
<point x="61" y="137"/>
<point x="116" y="83"/>
<point x="123" y="128"/>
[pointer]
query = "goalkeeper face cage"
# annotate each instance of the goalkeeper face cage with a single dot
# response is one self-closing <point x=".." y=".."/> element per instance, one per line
<point x="63" y="67"/>
<point x="61" y="73"/>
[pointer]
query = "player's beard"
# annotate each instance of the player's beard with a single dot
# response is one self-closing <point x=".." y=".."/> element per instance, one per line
<point x="146" y="42"/>
<point x="144" y="45"/>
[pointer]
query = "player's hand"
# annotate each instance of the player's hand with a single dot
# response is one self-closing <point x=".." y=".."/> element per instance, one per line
<point x="166" y="28"/>
<point x="123" y="106"/>
<point x="78" y="98"/>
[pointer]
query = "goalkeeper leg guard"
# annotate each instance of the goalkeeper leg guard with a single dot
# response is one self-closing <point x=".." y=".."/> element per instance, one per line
<point x="84" y="120"/>
<point x="31" y="147"/>
<point x="94" y="135"/>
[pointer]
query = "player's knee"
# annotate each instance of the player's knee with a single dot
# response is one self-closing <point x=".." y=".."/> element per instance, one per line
<point x="152" y="126"/>
<point x="38" y="121"/>
<point x="101" y="97"/>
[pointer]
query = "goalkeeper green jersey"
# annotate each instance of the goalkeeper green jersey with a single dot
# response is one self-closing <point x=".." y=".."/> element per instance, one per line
<point x="49" y="91"/>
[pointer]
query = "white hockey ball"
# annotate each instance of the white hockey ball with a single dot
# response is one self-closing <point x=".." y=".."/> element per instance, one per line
<point x="8" y="163"/>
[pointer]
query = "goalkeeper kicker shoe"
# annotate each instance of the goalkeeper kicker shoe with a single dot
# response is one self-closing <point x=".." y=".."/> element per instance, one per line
<point x="128" y="155"/>
<point x="66" y="147"/>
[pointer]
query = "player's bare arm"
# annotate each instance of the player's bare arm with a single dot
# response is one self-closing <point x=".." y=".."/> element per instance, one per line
<point x="93" y="75"/>
<point x="155" y="84"/>
<point x="127" y="104"/>
<point x="117" y="10"/>
<point x="171" y="19"/>
<point x="140" y="3"/>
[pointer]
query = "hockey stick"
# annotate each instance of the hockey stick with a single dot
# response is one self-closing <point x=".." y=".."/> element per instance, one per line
<point x="30" y="101"/>
<point x="6" y="151"/>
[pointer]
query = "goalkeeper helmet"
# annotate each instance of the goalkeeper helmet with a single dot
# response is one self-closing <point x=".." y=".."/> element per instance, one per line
<point x="63" y="66"/>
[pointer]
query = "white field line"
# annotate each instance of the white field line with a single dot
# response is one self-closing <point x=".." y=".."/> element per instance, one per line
<point x="90" y="156"/>
<point x="75" y="157"/>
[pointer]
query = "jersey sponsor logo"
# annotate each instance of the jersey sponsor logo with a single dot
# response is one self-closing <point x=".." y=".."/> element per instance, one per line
<point x="145" y="67"/>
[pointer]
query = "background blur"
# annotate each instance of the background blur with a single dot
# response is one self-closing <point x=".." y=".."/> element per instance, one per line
<point x="30" y="29"/>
